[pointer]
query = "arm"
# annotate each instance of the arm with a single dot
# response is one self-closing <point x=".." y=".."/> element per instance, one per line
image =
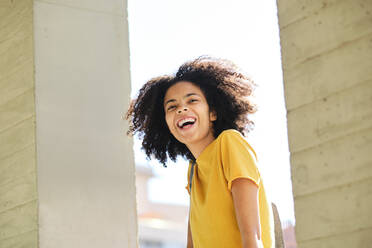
<point x="189" y="237"/>
<point x="245" y="197"/>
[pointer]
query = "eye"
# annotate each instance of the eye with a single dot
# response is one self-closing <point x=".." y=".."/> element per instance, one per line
<point x="193" y="100"/>
<point x="171" y="107"/>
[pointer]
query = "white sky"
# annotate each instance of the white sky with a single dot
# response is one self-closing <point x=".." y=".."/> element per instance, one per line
<point x="166" y="33"/>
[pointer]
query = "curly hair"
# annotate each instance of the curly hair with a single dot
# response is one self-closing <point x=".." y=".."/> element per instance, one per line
<point x="227" y="92"/>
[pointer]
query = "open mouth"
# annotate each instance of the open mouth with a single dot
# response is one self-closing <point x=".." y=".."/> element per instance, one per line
<point x="185" y="123"/>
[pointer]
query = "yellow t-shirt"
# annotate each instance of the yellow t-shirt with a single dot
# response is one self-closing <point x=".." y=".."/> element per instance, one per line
<point x="212" y="215"/>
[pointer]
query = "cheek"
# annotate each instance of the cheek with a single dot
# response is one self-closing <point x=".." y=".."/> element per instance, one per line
<point x="168" y="120"/>
<point x="171" y="128"/>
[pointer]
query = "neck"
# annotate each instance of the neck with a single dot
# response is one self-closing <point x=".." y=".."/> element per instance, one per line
<point x="197" y="148"/>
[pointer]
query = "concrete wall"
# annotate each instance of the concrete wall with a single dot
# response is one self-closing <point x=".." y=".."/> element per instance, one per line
<point x="327" y="61"/>
<point x="66" y="165"/>
<point x="18" y="180"/>
<point x="85" y="160"/>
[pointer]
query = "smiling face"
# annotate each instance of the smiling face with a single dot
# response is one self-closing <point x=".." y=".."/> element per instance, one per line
<point x="188" y="116"/>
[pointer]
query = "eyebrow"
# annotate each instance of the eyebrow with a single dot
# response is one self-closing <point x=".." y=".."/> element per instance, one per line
<point x="187" y="95"/>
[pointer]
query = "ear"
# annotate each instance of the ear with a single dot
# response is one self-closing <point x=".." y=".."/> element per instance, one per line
<point x="212" y="115"/>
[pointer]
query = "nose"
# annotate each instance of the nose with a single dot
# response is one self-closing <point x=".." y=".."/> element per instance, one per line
<point x="181" y="109"/>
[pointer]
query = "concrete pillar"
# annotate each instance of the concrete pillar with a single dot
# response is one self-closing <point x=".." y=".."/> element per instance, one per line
<point x="327" y="61"/>
<point x="18" y="174"/>
<point x="66" y="165"/>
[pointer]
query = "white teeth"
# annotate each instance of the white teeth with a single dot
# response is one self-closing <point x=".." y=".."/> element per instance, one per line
<point x="183" y="121"/>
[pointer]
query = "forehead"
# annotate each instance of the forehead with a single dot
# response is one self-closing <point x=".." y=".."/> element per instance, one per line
<point x="181" y="89"/>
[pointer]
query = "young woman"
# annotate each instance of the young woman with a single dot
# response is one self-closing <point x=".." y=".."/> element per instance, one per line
<point x="202" y="113"/>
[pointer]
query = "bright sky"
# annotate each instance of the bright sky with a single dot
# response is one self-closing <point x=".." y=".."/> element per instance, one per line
<point x="166" y="33"/>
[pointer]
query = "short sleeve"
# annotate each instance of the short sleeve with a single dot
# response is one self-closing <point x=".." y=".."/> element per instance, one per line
<point x="238" y="158"/>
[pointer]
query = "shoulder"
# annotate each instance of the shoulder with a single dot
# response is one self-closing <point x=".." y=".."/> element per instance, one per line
<point x="231" y="136"/>
<point x="233" y="139"/>
<point x="230" y="133"/>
